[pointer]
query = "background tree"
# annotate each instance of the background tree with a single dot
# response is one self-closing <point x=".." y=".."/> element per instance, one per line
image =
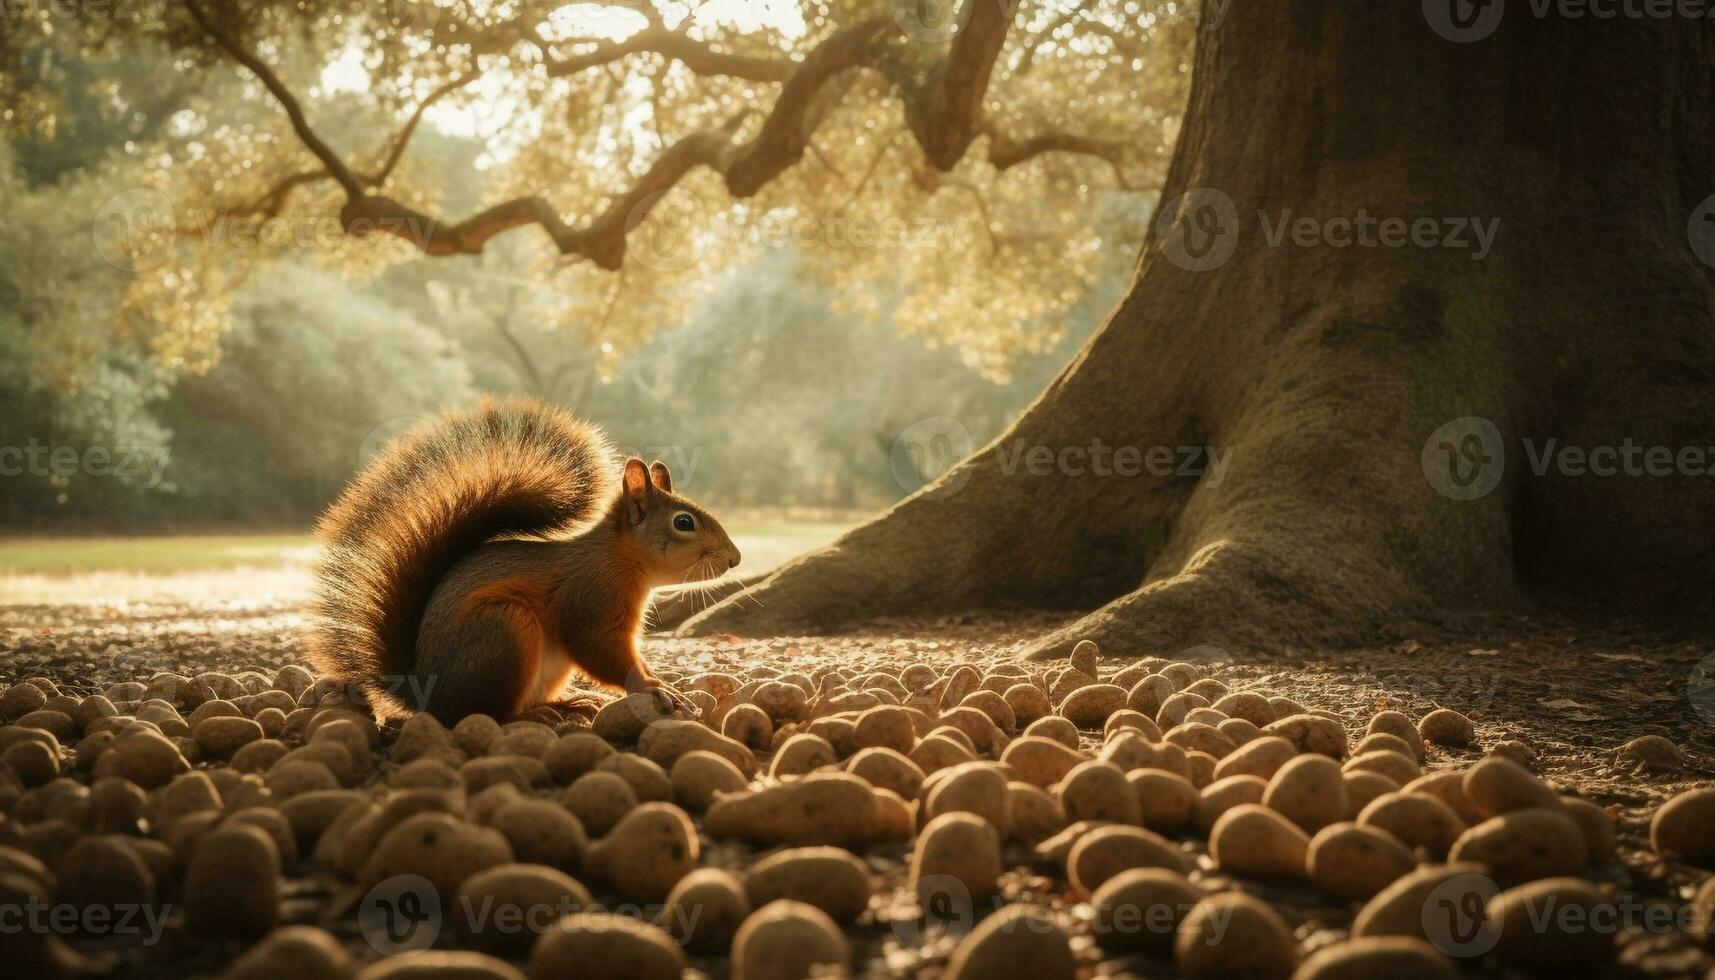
<point x="1325" y="375"/>
<point x="228" y="192"/>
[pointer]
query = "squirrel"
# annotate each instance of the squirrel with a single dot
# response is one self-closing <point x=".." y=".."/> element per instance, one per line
<point x="479" y="561"/>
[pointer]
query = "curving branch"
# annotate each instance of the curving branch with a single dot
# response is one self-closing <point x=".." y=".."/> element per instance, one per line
<point x="336" y="167"/>
<point x="271" y="202"/>
<point x="951" y="111"/>
<point x="693" y="54"/>
<point x="1005" y="152"/>
<point x="943" y="112"/>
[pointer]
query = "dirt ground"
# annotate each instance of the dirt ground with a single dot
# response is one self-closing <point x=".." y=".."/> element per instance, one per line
<point x="1572" y="692"/>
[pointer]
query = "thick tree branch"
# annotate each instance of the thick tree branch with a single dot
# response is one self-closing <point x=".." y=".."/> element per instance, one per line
<point x="270" y="203"/>
<point x="289" y="102"/>
<point x="943" y="112"/>
<point x="1005" y="152"/>
<point x="952" y="111"/>
<point x="691" y="53"/>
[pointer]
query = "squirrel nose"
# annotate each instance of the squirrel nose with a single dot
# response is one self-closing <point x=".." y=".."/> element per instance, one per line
<point x="732" y="559"/>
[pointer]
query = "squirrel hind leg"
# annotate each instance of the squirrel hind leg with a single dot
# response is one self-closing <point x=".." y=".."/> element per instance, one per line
<point x="484" y="663"/>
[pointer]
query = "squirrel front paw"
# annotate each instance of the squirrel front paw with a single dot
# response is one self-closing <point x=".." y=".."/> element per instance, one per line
<point x="671" y="700"/>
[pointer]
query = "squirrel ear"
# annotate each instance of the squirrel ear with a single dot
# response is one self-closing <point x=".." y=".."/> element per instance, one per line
<point x="663" y="479"/>
<point x="636" y="481"/>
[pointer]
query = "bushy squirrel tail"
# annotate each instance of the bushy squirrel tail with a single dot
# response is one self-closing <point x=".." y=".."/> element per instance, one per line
<point x="510" y="467"/>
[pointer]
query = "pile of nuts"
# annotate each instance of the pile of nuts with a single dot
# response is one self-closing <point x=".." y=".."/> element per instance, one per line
<point x="1152" y="806"/>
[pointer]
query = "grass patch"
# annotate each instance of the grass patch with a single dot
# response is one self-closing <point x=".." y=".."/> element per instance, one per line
<point x="55" y="566"/>
<point x="153" y="555"/>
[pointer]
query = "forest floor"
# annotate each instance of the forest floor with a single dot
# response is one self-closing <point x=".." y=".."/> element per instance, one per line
<point x="1572" y="694"/>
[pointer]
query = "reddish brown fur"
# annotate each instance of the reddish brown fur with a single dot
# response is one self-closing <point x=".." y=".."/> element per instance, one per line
<point x="438" y="571"/>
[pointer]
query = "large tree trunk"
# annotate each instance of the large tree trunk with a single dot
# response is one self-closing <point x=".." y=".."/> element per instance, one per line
<point x="1324" y="376"/>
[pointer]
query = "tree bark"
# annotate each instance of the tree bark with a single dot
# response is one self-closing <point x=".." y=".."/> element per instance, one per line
<point x="1327" y="376"/>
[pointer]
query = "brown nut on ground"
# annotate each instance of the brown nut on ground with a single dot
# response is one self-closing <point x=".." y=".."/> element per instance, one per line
<point x="1354" y="862"/>
<point x="1017" y="941"/>
<point x="600" y="946"/>
<point x="646" y="853"/>
<point x="1108" y="850"/>
<point x="1233" y="934"/>
<point x="1250" y="839"/>
<point x="830" y="878"/>
<point x="1685" y="828"/>
<point x="1140" y="909"/>
<point x="1525" y="845"/>
<point x="788" y="940"/>
<point x="704" y="910"/>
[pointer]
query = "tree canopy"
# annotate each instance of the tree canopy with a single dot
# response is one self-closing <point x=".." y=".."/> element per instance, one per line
<point x="662" y="140"/>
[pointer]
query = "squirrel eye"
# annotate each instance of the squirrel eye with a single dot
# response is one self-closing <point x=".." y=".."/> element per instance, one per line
<point x="684" y="522"/>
